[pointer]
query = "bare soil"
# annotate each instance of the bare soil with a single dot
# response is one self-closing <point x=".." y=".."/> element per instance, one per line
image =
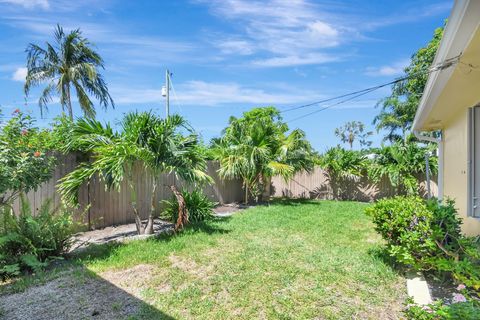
<point x="76" y="294"/>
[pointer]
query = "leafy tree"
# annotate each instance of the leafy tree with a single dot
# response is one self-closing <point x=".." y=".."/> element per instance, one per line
<point x="25" y="162"/>
<point x="257" y="146"/>
<point x="69" y="63"/>
<point x="352" y="131"/>
<point x="398" y="110"/>
<point x="402" y="162"/>
<point x="160" y="145"/>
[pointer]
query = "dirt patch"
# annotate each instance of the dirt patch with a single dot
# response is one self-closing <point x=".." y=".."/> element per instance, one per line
<point x="131" y="280"/>
<point x="74" y="295"/>
<point x="190" y="266"/>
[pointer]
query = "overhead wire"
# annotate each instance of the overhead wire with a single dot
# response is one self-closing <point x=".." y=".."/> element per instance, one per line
<point x="175" y="94"/>
<point x="353" y="95"/>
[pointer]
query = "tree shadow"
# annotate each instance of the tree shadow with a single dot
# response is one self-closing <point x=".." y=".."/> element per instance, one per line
<point x="77" y="293"/>
<point x="104" y="250"/>
<point x="381" y="253"/>
<point x="293" y="201"/>
<point x="70" y="282"/>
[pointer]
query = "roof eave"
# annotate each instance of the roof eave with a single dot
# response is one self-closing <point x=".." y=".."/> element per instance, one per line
<point x="438" y="79"/>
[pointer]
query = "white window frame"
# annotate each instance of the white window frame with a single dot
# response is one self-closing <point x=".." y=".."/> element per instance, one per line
<point x="473" y="206"/>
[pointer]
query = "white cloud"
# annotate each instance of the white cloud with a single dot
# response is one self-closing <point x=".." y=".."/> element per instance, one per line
<point x="394" y="69"/>
<point x="201" y="93"/>
<point x="235" y="46"/>
<point x="127" y="47"/>
<point x="294" y="60"/>
<point x="293" y="32"/>
<point x="20" y="74"/>
<point x="29" y="4"/>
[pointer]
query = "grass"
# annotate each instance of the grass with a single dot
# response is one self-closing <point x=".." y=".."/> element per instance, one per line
<point x="289" y="260"/>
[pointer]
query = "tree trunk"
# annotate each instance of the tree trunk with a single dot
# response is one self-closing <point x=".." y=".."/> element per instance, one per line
<point x="182" y="208"/>
<point x="149" y="227"/>
<point x="133" y="202"/>
<point x="69" y="103"/>
<point x="246" y="192"/>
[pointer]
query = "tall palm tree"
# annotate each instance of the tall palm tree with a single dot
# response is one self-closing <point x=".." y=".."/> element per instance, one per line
<point x="157" y="144"/>
<point x="69" y="63"/>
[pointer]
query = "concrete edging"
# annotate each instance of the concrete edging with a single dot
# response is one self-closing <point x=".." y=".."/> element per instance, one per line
<point x="417" y="288"/>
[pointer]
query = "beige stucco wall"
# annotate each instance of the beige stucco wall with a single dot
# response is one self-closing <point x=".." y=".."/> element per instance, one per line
<point x="455" y="167"/>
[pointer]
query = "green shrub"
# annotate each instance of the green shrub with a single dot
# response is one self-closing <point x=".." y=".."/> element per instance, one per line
<point x="28" y="242"/>
<point x="25" y="160"/>
<point x="404" y="222"/>
<point x="469" y="310"/>
<point x="427" y="236"/>
<point x="199" y="207"/>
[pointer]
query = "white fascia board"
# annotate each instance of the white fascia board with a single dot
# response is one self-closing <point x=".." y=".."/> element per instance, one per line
<point x="456" y="36"/>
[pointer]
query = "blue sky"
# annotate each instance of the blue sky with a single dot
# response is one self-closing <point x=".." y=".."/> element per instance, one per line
<point x="228" y="56"/>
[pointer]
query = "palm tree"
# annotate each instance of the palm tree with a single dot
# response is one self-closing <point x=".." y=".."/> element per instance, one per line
<point x="70" y="63"/>
<point x="256" y="147"/>
<point x="402" y="163"/>
<point x="396" y="115"/>
<point x="354" y="130"/>
<point x="157" y="144"/>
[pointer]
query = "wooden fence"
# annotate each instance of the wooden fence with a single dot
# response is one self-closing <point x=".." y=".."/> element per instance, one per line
<point x="319" y="185"/>
<point x="100" y="207"/>
<point x="113" y="207"/>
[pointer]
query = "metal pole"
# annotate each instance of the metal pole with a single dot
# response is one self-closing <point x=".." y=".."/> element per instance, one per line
<point x="167" y="97"/>
<point x="427" y="165"/>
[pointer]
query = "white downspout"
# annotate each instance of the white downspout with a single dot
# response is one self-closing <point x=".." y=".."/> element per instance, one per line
<point x="439" y="142"/>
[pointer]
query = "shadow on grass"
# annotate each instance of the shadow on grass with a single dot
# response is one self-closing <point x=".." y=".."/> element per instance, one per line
<point x="70" y="281"/>
<point x="79" y="294"/>
<point x="293" y="202"/>
<point x="103" y="251"/>
<point x="381" y="253"/>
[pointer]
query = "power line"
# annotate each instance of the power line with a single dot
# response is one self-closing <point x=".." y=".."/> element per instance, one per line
<point x="441" y="66"/>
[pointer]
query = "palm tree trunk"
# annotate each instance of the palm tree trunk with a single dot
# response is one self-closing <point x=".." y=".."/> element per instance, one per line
<point x="133" y="202"/>
<point x="182" y="208"/>
<point x="149" y="227"/>
<point x="69" y="102"/>
<point x="246" y="192"/>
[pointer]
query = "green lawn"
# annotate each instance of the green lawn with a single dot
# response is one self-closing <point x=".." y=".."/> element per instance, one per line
<point x="290" y="260"/>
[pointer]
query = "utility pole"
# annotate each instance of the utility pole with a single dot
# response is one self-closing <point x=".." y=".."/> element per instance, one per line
<point x="167" y="93"/>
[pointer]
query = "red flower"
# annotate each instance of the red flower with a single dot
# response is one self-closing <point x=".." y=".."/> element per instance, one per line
<point x="16" y="111"/>
<point x="36" y="154"/>
<point x="24" y="132"/>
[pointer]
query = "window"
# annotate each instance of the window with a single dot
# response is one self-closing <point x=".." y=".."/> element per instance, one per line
<point x="474" y="162"/>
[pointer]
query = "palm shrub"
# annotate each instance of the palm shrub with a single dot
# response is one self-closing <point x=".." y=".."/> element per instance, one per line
<point x="158" y="145"/>
<point x="28" y="241"/>
<point x="199" y="206"/>
<point x="257" y="146"/>
<point x="402" y="163"/>
<point x="343" y="168"/>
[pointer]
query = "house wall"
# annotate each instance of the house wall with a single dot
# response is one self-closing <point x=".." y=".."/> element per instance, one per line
<point x="455" y="168"/>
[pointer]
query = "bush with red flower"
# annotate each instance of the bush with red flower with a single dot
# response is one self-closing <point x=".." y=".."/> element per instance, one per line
<point x="25" y="162"/>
